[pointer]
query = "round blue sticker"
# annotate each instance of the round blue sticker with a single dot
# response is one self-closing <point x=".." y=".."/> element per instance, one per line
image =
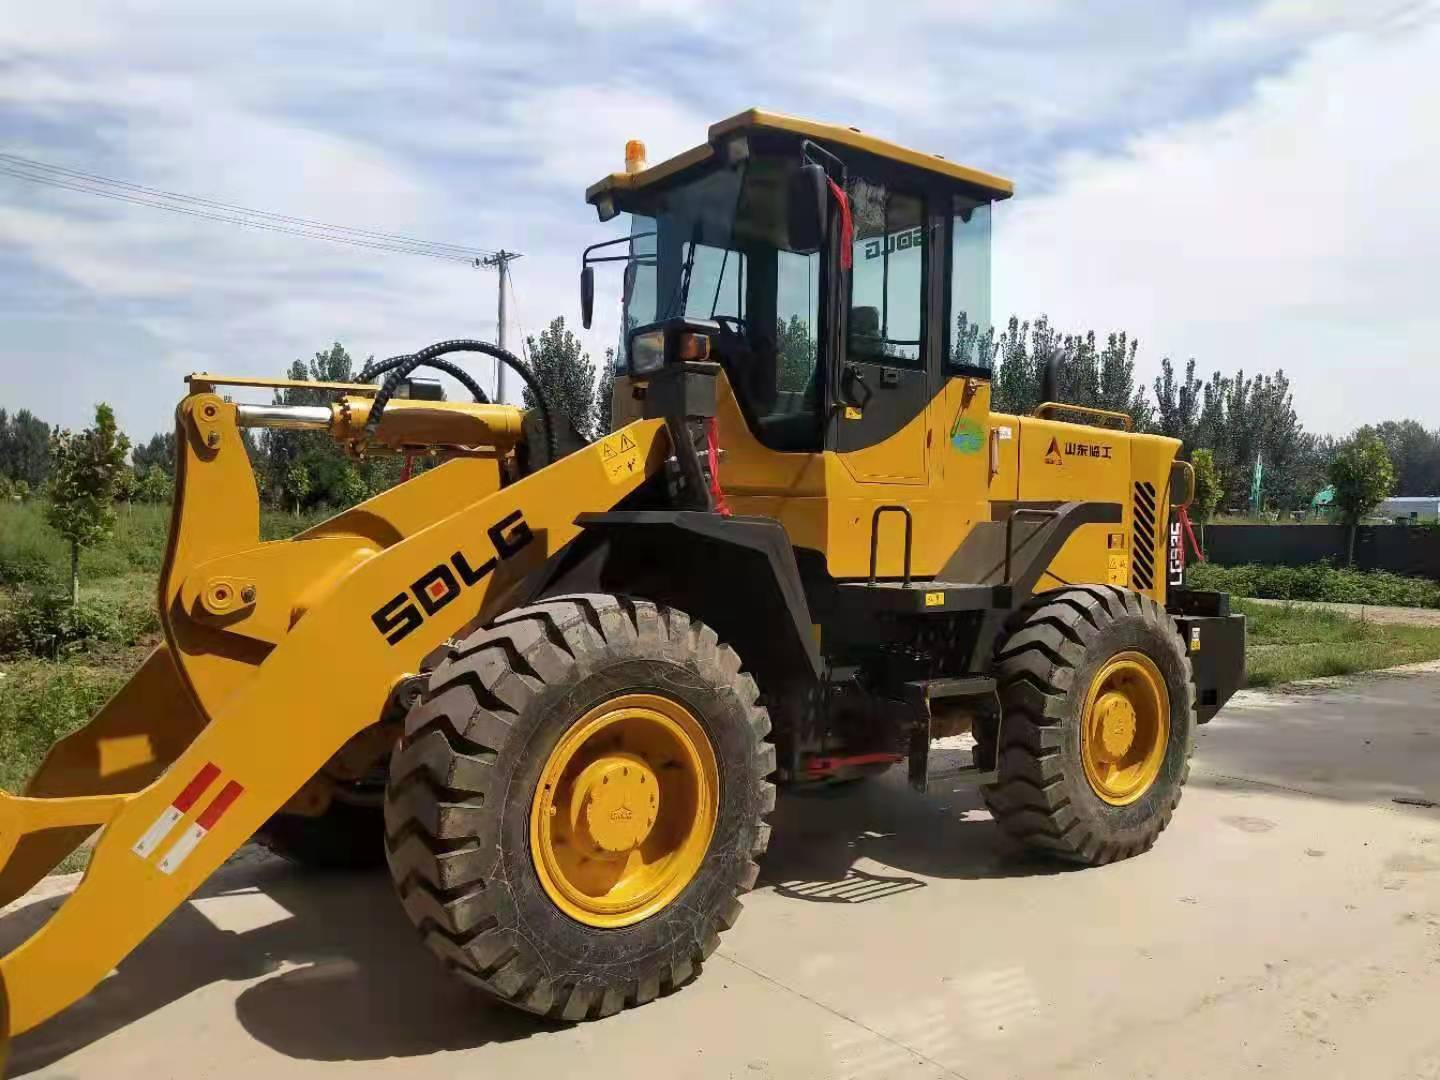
<point x="967" y="437"/>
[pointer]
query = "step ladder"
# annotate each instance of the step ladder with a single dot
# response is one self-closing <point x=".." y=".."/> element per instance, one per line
<point x="960" y="764"/>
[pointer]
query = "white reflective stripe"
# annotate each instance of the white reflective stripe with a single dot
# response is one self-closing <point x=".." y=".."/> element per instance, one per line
<point x="182" y="848"/>
<point x="157" y="832"/>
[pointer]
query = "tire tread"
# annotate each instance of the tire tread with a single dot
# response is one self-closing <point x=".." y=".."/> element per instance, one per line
<point x="441" y="821"/>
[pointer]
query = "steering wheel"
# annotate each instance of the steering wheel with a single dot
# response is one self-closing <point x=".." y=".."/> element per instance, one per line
<point x="733" y="324"/>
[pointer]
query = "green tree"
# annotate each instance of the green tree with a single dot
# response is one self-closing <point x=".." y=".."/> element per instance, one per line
<point x="1094" y="375"/>
<point x="1022" y="353"/>
<point x="1208" y="487"/>
<point x="1240" y="418"/>
<point x="1210" y="426"/>
<point x="566" y="374"/>
<point x="127" y="485"/>
<point x="297" y="484"/>
<point x="1116" y="384"/>
<point x="158" y="452"/>
<point x="604" y="393"/>
<point x="24" y="448"/>
<point x="1177" y="404"/>
<point x="1261" y="423"/>
<point x="329" y="469"/>
<point x="351" y="487"/>
<point x="155" y="486"/>
<point x="1313" y="471"/>
<point x="796" y="351"/>
<point x="1415" y="453"/>
<point x="1362" y="477"/>
<point x="971" y="347"/>
<point x="85" y="470"/>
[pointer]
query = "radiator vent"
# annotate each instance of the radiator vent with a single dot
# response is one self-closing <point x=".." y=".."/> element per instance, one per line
<point x="1142" y="562"/>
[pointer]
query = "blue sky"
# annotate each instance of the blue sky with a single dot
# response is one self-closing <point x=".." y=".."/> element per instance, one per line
<point x="1250" y="183"/>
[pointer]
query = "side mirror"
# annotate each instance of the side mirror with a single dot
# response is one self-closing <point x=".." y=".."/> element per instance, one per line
<point x="587" y="296"/>
<point x="807" y="209"/>
<point x="628" y="283"/>
<point x="1182" y="483"/>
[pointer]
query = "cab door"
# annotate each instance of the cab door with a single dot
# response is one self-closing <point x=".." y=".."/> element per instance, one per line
<point x="881" y="388"/>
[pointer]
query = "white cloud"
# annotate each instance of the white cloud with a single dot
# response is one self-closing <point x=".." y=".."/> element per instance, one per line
<point x="1299" y="230"/>
<point x="483" y="124"/>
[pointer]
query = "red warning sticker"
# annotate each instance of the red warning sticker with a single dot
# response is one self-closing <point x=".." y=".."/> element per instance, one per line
<point x="208" y="819"/>
<point x="181" y="805"/>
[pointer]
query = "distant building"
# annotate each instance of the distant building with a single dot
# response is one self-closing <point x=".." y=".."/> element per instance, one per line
<point x="1409" y="508"/>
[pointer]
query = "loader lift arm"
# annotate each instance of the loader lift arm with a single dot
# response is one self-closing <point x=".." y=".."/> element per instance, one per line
<point x="275" y="655"/>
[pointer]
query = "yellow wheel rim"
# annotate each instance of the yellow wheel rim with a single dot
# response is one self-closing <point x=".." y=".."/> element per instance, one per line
<point x="1125" y="728"/>
<point x="624" y="810"/>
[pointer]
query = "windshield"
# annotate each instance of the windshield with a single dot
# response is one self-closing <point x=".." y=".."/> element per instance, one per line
<point x="715" y="248"/>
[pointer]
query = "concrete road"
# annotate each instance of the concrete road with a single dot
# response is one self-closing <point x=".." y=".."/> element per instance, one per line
<point x="1406" y="616"/>
<point x="1288" y="925"/>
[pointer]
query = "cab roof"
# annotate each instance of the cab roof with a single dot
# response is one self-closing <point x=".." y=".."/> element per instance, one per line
<point x="991" y="186"/>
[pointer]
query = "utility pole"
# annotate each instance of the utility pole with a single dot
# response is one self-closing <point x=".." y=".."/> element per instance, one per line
<point x="500" y="261"/>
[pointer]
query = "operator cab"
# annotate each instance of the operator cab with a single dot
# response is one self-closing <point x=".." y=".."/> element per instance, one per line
<point x="837" y="278"/>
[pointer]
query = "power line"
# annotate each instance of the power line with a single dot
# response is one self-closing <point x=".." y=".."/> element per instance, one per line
<point x="519" y="319"/>
<point x="30" y="163"/>
<point x="393" y="249"/>
<point x="55" y="176"/>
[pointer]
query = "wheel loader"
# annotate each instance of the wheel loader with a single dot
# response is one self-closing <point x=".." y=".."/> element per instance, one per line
<point x="556" y="692"/>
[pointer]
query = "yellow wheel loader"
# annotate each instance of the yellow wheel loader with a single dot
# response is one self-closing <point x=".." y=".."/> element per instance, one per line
<point x="556" y="692"/>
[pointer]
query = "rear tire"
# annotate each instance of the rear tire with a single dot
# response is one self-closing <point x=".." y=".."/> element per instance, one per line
<point x="465" y="784"/>
<point x="347" y="836"/>
<point x="1059" y="647"/>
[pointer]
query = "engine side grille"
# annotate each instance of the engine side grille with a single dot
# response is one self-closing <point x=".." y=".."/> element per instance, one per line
<point x="1142" y="563"/>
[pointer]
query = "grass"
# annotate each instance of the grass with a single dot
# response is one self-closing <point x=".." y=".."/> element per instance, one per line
<point x="1287" y="643"/>
<point x="1319" y="582"/>
<point x="58" y="665"/>
<point x="32" y="552"/>
<point x="42" y="700"/>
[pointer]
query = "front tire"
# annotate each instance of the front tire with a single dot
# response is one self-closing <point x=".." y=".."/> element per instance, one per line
<point x="512" y="853"/>
<point x="1097" y="724"/>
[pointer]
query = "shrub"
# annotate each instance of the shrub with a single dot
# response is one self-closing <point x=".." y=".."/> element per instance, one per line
<point x="26" y="564"/>
<point x="1319" y="582"/>
<point x="43" y="622"/>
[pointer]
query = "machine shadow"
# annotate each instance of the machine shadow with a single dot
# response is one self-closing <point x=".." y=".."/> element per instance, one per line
<point x="819" y="838"/>
<point x="349" y="978"/>
<point x="338" y="973"/>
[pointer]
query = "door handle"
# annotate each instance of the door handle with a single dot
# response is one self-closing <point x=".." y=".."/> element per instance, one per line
<point x="889" y="377"/>
<point x="853" y="379"/>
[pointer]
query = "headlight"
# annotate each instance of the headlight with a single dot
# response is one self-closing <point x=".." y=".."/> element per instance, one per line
<point x="647" y="352"/>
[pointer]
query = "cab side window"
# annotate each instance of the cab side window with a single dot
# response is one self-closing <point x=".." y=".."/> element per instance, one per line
<point x="971" y="346"/>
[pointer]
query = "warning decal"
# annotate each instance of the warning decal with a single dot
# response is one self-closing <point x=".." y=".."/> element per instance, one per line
<point x="621" y="458"/>
<point x="161" y="826"/>
<point x="176" y="812"/>
<point x="191" y="837"/>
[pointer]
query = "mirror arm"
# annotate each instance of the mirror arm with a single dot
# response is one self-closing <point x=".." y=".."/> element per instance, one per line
<point x="586" y="258"/>
<point x="587" y="271"/>
<point x="810" y="151"/>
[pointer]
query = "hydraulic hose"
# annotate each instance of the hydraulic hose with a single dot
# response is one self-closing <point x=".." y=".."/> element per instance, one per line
<point x="403" y="366"/>
<point x="373" y="368"/>
<point x="462" y="376"/>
